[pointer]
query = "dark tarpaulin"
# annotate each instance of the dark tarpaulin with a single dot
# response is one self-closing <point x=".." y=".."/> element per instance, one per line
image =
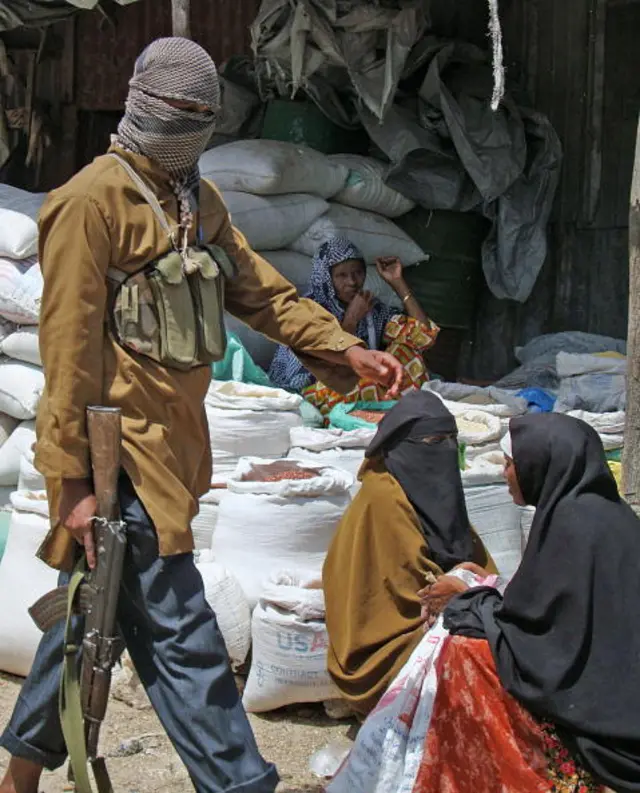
<point x="451" y="151"/>
<point x="34" y="13"/>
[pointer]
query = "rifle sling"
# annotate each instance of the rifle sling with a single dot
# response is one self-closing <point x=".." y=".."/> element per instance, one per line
<point x="70" y="701"/>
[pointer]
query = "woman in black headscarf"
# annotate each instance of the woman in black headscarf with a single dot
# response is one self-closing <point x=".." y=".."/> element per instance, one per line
<point x="562" y="644"/>
<point x="406" y="527"/>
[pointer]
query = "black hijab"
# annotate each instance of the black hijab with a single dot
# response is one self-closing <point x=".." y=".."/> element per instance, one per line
<point x="428" y="473"/>
<point x="566" y="637"/>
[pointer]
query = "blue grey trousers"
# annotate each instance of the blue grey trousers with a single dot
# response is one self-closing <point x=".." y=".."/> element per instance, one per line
<point x="178" y="651"/>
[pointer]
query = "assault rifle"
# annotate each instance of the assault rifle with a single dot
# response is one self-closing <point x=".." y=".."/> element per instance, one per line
<point x="93" y="594"/>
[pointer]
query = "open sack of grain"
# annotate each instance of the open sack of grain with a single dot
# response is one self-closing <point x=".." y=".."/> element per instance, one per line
<point x="278" y="515"/>
<point x="249" y="420"/>
<point x="336" y="448"/>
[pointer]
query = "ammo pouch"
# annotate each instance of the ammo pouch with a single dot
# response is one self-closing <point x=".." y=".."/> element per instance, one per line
<point x="172" y="310"/>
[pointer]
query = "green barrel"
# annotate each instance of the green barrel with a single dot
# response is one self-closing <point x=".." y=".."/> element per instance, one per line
<point x="304" y="123"/>
<point x="448" y="284"/>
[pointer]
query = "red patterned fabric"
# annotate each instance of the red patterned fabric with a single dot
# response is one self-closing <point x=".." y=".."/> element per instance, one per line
<point x="481" y="740"/>
<point x="406" y="339"/>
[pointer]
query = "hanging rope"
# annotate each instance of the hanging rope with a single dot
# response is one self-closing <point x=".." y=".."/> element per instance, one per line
<point x="495" y="31"/>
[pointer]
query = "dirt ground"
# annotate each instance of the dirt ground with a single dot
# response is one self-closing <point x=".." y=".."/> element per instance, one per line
<point x="141" y="759"/>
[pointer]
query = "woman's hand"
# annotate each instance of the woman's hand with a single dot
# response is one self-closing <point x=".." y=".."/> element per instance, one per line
<point x="382" y="368"/>
<point x="358" y="308"/>
<point x="474" y="568"/>
<point x="435" y="597"/>
<point x="77" y="511"/>
<point x="390" y="269"/>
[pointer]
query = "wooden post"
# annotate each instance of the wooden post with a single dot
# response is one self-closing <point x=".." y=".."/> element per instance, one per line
<point x="631" y="454"/>
<point x="180" y="14"/>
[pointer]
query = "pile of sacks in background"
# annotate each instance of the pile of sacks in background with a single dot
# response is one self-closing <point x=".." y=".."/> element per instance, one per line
<point x="22" y="576"/>
<point x="288" y="199"/>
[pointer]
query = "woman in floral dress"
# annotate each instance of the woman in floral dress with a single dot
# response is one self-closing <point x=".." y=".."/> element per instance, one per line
<point x="337" y="284"/>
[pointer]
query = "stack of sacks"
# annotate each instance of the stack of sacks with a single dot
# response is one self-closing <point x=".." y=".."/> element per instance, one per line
<point x="21" y="376"/>
<point x="609" y="426"/>
<point x="244" y="419"/>
<point x="278" y="515"/>
<point x="592" y="382"/>
<point x="288" y="199"/>
<point x="538" y="358"/>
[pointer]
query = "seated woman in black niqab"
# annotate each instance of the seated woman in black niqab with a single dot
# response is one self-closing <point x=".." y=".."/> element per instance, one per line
<point x="539" y="689"/>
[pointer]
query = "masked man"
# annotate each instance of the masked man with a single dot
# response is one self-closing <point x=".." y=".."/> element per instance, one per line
<point x="104" y="221"/>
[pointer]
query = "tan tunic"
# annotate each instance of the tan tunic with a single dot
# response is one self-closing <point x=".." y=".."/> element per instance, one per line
<point x="376" y="565"/>
<point x="97" y="220"/>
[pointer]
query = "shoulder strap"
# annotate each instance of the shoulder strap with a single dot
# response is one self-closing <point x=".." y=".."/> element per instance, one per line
<point x="113" y="273"/>
<point x="146" y="193"/>
<point x="222" y="258"/>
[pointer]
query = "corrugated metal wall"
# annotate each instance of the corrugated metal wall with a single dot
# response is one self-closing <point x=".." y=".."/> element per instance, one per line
<point x="581" y="66"/>
<point x="108" y="47"/>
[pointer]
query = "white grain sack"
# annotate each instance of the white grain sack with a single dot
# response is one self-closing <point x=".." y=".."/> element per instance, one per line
<point x="273" y="222"/>
<point x="374" y="235"/>
<point x="289" y="645"/>
<point x="266" y="526"/>
<point x="366" y="188"/>
<point x="18" y="444"/>
<point x="269" y="167"/>
<point x="23" y="579"/>
<point x="21" y="386"/>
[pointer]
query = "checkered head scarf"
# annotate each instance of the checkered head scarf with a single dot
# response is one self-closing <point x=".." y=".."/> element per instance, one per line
<point x="177" y="69"/>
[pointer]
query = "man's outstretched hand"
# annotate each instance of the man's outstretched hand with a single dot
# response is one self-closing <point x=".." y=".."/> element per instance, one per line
<point x="382" y="368"/>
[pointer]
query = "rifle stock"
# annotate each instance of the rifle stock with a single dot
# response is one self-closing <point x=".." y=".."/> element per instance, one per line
<point x="105" y="438"/>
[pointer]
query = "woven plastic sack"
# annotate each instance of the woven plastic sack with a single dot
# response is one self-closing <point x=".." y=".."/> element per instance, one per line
<point x="496" y="519"/>
<point x="268" y="167"/>
<point x="18" y="444"/>
<point x="225" y="596"/>
<point x="21" y="386"/>
<point x="273" y="222"/>
<point x="249" y="419"/>
<point x="23" y="579"/>
<point x="18" y="235"/>
<point x="20" y="303"/>
<point x="322" y="440"/>
<point x="366" y="188"/>
<point x="289" y="645"/>
<point x="22" y="345"/>
<point x="265" y="526"/>
<point x="373" y="234"/>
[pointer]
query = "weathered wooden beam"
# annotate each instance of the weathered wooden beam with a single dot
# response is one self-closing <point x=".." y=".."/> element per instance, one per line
<point x="181" y="18"/>
<point x="631" y="454"/>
